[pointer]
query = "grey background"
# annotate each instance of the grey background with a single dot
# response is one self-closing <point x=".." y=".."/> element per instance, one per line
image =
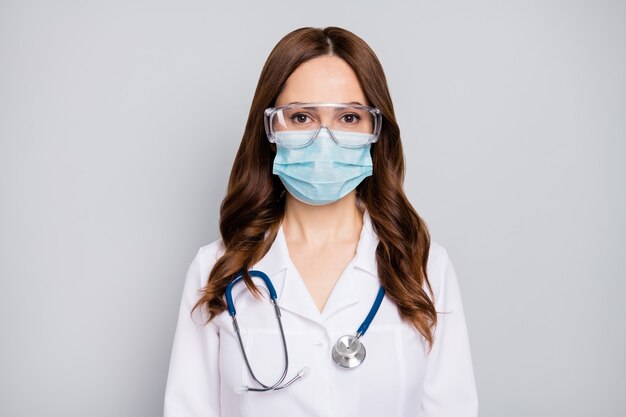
<point x="119" y="121"/>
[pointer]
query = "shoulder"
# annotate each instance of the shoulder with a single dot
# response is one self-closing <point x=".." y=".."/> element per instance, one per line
<point x="206" y="256"/>
<point x="438" y="265"/>
<point x="437" y="254"/>
<point x="211" y="252"/>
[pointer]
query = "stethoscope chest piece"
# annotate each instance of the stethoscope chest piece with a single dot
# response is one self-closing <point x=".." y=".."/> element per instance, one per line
<point x="348" y="352"/>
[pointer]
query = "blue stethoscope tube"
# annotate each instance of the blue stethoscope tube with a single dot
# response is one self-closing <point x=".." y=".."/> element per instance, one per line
<point x="347" y="353"/>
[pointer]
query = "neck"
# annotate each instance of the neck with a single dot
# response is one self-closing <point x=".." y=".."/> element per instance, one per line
<point x="318" y="226"/>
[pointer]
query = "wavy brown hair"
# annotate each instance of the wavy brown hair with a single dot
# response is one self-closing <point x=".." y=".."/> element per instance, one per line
<point x="253" y="208"/>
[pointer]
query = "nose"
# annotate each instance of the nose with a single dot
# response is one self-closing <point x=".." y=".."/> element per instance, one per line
<point x="326" y="117"/>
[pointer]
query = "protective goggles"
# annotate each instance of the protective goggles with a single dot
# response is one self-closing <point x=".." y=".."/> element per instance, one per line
<point x="297" y="125"/>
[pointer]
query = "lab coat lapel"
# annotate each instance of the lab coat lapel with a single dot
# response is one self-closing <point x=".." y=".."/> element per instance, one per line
<point x="295" y="296"/>
<point x="346" y="291"/>
<point x="365" y="258"/>
<point x="275" y="261"/>
<point x="292" y="293"/>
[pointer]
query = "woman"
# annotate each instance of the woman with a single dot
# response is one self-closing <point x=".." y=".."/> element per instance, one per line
<point x="315" y="202"/>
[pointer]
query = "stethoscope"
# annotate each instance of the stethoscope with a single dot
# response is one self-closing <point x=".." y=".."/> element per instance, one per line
<point x="348" y="352"/>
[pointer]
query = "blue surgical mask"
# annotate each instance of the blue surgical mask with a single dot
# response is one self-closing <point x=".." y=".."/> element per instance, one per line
<point x="323" y="171"/>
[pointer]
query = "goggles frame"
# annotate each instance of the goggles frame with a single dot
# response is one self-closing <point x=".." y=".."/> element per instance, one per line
<point x="270" y="113"/>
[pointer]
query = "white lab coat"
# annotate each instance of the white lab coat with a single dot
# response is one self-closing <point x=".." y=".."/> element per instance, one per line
<point x="397" y="378"/>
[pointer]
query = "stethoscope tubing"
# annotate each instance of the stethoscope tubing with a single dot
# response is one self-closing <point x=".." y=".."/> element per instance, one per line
<point x="273" y="297"/>
<point x="370" y="316"/>
<point x="233" y="314"/>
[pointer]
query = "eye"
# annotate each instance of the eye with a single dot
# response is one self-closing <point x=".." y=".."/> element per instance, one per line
<point x="300" y="118"/>
<point x="350" y="118"/>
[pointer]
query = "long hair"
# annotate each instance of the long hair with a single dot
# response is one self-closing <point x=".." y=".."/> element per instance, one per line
<point x="252" y="210"/>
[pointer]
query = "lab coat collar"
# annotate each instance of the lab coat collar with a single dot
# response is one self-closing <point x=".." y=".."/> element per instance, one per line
<point x="365" y="258"/>
<point x="291" y="290"/>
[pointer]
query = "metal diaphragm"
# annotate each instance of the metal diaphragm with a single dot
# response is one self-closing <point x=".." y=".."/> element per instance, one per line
<point x="348" y="352"/>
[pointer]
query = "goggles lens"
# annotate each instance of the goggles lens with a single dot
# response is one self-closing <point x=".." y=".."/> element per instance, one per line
<point x="296" y="125"/>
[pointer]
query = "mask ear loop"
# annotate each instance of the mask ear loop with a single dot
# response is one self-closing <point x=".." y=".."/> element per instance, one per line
<point x="282" y="194"/>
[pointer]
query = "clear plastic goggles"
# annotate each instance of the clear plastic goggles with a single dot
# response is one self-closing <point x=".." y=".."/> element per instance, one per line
<point x="297" y="125"/>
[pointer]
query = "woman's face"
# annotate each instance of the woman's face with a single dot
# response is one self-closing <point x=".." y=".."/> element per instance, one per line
<point x="325" y="79"/>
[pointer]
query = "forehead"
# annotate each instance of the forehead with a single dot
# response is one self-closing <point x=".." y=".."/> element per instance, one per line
<point x="322" y="79"/>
